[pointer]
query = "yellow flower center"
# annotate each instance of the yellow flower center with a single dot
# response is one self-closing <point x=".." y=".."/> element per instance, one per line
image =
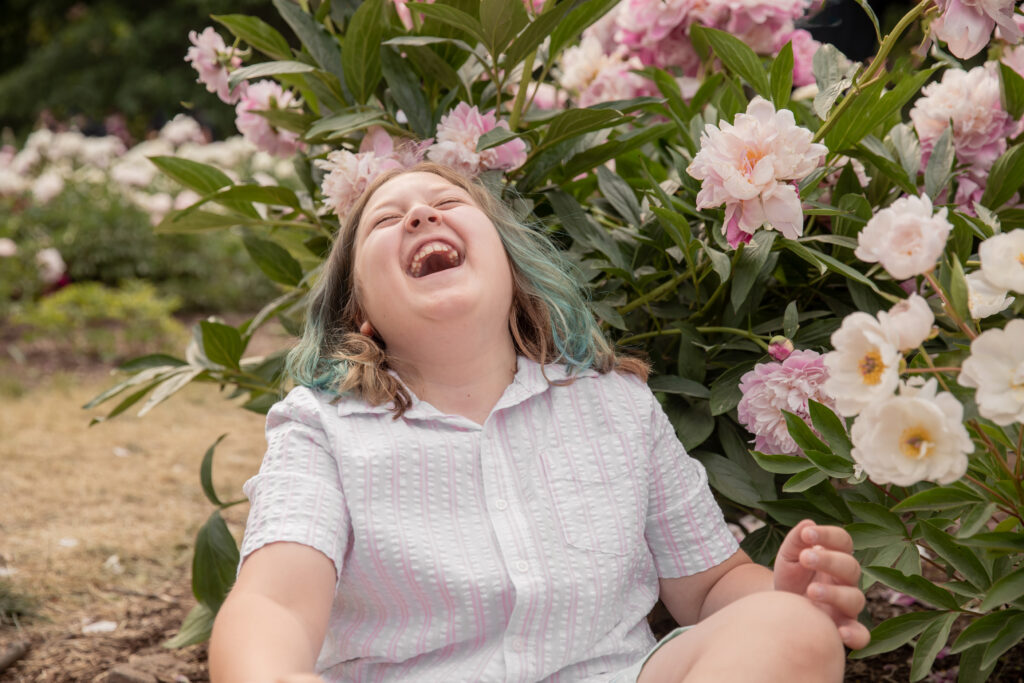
<point x="1020" y="258"/>
<point x="871" y="368"/>
<point x="915" y="442"/>
<point x="750" y="159"/>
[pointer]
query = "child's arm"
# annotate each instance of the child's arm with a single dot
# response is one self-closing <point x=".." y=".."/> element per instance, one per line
<point x="811" y="558"/>
<point x="274" y="620"/>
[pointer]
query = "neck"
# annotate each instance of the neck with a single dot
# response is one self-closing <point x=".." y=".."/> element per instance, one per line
<point x="460" y="372"/>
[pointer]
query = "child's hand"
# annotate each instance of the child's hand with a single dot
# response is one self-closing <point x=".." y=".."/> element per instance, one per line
<point x="817" y="562"/>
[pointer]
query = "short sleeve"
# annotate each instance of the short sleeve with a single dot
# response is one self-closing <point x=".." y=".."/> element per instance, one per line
<point x="685" y="529"/>
<point x="297" y="495"/>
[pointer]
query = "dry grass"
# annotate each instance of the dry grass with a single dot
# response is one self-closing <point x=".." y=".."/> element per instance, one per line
<point x="72" y="497"/>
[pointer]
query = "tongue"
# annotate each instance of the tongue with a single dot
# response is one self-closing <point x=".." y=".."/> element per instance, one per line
<point x="435" y="263"/>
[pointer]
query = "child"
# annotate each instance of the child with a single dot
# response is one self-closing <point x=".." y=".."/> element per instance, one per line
<point x="469" y="485"/>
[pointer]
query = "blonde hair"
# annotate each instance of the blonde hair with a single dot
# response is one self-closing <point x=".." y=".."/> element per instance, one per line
<point x="550" y="320"/>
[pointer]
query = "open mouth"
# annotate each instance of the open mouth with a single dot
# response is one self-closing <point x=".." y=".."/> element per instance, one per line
<point x="433" y="257"/>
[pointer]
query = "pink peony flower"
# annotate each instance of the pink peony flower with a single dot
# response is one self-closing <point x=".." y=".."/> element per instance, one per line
<point x="645" y="23"/>
<point x="779" y="347"/>
<point x="804" y="47"/>
<point x="770" y="388"/>
<point x="758" y="23"/>
<point x="458" y="134"/>
<point x="906" y="237"/>
<point x="263" y="96"/>
<point x="971" y="101"/>
<point x="348" y="174"/>
<point x="966" y="25"/>
<point x="210" y="57"/>
<point x="751" y="165"/>
<point x="594" y="77"/>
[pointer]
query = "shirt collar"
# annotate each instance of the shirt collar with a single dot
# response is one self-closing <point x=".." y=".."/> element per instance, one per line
<point x="531" y="379"/>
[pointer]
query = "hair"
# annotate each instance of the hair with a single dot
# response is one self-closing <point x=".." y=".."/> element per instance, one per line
<point x="550" y="319"/>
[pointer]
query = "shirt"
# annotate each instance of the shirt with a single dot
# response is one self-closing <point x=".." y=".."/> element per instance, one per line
<point x="528" y="548"/>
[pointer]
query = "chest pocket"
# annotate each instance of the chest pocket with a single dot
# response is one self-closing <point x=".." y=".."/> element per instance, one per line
<point x="598" y="497"/>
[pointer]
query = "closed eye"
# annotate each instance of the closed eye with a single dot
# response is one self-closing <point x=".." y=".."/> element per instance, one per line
<point x="382" y="220"/>
<point x="449" y="202"/>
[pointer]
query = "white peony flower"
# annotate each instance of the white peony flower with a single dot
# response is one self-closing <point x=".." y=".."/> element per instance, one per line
<point x="47" y="186"/>
<point x="864" y="368"/>
<point x="752" y="167"/>
<point x="909" y="322"/>
<point x="8" y="247"/>
<point x="915" y="436"/>
<point x="996" y="369"/>
<point x="983" y="297"/>
<point x="51" y="265"/>
<point x="181" y="129"/>
<point x="906" y="238"/>
<point x="1002" y="260"/>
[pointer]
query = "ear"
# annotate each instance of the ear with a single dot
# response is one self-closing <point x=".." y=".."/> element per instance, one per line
<point x="366" y="329"/>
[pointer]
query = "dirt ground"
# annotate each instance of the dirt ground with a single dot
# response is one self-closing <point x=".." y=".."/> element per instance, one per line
<point x="97" y="525"/>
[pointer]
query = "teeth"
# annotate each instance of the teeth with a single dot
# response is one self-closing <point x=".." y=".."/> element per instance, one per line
<point x="416" y="267"/>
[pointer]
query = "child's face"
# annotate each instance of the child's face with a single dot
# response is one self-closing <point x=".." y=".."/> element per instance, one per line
<point x="425" y="252"/>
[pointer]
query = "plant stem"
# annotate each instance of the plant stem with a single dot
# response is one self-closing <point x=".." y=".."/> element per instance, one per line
<point x="928" y="360"/>
<point x="647" y="335"/>
<point x="911" y="371"/>
<point x="524" y="85"/>
<point x="875" y="69"/>
<point x="950" y="311"/>
<point x="656" y="293"/>
<point x="738" y="332"/>
<point x="721" y="288"/>
<point x="1002" y="462"/>
<point x="1008" y="509"/>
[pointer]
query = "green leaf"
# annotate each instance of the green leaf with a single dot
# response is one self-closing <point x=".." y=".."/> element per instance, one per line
<point x="1004" y="541"/>
<point x="582" y="16"/>
<point x="575" y="122"/>
<point x="693" y="425"/>
<point x="957" y="287"/>
<point x="407" y="90"/>
<point x="1004" y="591"/>
<point x="781" y="76"/>
<point x="830" y="463"/>
<point x="1012" y="91"/>
<point x="983" y="630"/>
<point x="725" y="390"/>
<point x="938" y="498"/>
<point x="534" y="34"/>
<point x="729" y="479"/>
<point x="206" y="473"/>
<point x="790" y="320"/>
<point x="833" y="74"/>
<point x="780" y="464"/>
<point x="153" y="360"/>
<point x="196" y="628"/>
<point x="872" y="107"/>
<point x="274" y="260"/>
<point x="916" y="587"/>
<point x="202" y="178"/>
<point x="959" y="557"/>
<point x="618" y="192"/>
<point x="189" y="221"/>
<point x="339" y="125"/>
<point x="802" y="434"/>
<point x="257" y="33"/>
<point x="938" y="172"/>
<point x="879" y="515"/>
<point x="583" y="229"/>
<point x="892" y="633"/>
<point x="872" y="536"/>
<point x="672" y="384"/>
<point x="214" y="562"/>
<point x="501" y="21"/>
<point x="495" y="137"/>
<point x="264" y="69"/>
<point x="321" y="44"/>
<point x="866" y="6"/>
<point x="454" y="17"/>
<point x="360" y="60"/>
<point x="929" y="643"/>
<point x="762" y="544"/>
<point x="222" y="343"/>
<point x="751" y="263"/>
<point x="273" y="195"/>
<point x="825" y="262"/>
<point x="1011" y="634"/>
<point x="801" y="481"/>
<point x="1005" y="178"/>
<point x="831" y="428"/>
<point x="737" y="57"/>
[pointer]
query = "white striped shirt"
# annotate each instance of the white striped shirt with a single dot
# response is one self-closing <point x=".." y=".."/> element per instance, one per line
<point x="524" y="549"/>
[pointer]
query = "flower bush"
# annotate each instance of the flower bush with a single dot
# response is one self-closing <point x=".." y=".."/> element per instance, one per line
<point x="826" y="279"/>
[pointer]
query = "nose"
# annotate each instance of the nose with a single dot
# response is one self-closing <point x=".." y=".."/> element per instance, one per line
<point x="421" y="216"/>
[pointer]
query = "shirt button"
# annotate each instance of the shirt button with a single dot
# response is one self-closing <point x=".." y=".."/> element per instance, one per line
<point x="517" y="644"/>
<point x="522" y="566"/>
<point x="501" y="504"/>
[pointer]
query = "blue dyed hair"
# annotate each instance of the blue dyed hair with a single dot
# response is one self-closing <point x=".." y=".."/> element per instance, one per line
<point x="550" y="318"/>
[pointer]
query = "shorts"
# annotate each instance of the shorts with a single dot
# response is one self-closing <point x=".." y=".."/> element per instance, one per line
<point x="631" y="674"/>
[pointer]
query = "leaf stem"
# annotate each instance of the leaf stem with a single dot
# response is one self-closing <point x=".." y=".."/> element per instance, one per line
<point x="950" y="311"/>
<point x="911" y="371"/>
<point x="875" y="69"/>
<point x="648" y="335"/>
<point x="655" y="293"/>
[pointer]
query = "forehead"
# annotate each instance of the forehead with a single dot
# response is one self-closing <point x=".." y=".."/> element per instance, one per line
<point x="408" y="186"/>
